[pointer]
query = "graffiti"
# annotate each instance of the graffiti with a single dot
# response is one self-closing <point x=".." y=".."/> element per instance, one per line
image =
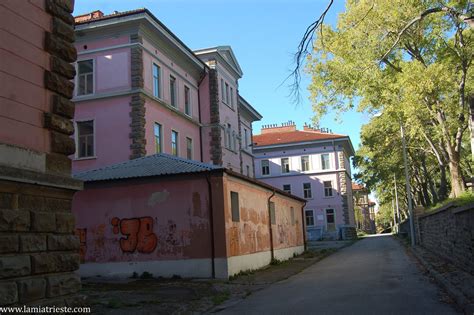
<point x="82" y="235"/>
<point x="138" y="232"/>
<point x="171" y="237"/>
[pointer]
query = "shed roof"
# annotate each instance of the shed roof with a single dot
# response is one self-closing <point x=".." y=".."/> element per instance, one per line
<point x="152" y="165"/>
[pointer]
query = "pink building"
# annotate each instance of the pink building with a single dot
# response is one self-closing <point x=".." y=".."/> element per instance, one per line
<point x="140" y="90"/>
<point x="312" y="164"/>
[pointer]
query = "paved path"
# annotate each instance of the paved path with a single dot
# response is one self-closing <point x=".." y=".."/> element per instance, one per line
<point x="373" y="276"/>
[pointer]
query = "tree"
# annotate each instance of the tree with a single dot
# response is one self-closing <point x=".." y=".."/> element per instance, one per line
<point x="414" y="70"/>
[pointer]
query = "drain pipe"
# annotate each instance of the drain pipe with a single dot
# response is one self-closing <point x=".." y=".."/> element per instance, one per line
<point x="303" y="225"/>
<point x="270" y="226"/>
<point x="211" y="221"/>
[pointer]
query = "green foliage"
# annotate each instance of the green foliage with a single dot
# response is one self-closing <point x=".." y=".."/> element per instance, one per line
<point x="422" y="83"/>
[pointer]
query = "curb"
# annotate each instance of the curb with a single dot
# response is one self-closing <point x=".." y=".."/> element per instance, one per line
<point x="455" y="294"/>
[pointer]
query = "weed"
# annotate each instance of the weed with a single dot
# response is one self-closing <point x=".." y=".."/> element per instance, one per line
<point x="221" y="297"/>
<point x="275" y="262"/>
<point x="134" y="275"/>
<point x="146" y="275"/>
<point x="175" y="277"/>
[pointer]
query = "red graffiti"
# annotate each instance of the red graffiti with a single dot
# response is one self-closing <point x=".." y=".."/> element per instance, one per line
<point x="82" y="235"/>
<point x="139" y="235"/>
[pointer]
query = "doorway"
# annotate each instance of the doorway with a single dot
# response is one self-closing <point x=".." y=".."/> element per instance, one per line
<point x="330" y="220"/>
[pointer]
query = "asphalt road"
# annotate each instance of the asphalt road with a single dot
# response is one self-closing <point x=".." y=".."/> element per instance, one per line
<point x="373" y="276"/>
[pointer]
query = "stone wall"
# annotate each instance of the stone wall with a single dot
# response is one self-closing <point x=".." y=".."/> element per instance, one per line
<point x="215" y="133"/>
<point x="449" y="233"/>
<point x="38" y="248"/>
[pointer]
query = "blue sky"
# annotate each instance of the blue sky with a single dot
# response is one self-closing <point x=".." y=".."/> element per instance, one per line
<point x="264" y="35"/>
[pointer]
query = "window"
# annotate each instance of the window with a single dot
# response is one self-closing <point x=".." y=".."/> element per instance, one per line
<point x="174" y="142"/>
<point x="173" y="91"/>
<point x="246" y="140"/>
<point x="226" y="93"/>
<point x="248" y="170"/>
<point x="222" y="91"/>
<point x="285" y="165"/>
<point x="287" y="188"/>
<point x="234" y="204"/>
<point x="265" y="167"/>
<point x="307" y="191"/>
<point x="85" y="139"/>
<point x="328" y="189"/>
<point x="292" y="213"/>
<point x="231" y="97"/>
<point x="325" y="161"/>
<point x="229" y="136"/>
<point x="189" y="148"/>
<point x="272" y="213"/>
<point x="85" y="76"/>
<point x="156" y="81"/>
<point x="187" y="101"/>
<point x="305" y="163"/>
<point x="157" y="132"/>
<point x="309" y="217"/>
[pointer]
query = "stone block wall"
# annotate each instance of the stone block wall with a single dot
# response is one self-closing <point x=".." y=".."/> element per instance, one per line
<point x="38" y="247"/>
<point x="449" y="233"/>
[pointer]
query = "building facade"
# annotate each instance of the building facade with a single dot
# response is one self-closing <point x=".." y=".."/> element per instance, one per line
<point x="39" y="252"/>
<point x="312" y="164"/>
<point x="171" y="216"/>
<point x="140" y="91"/>
<point x="364" y="209"/>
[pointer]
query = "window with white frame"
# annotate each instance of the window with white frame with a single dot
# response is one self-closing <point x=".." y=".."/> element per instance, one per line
<point x="158" y="140"/>
<point x="85" y="77"/>
<point x="85" y="139"/>
<point x="231" y="97"/>
<point x="325" y="163"/>
<point x="189" y="148"/>
<point x="309" y="217"/>
<point x="307" y="193"/>
<point x="327" y="188"/>
<point x="173" y="94"/>
<point x="285" y="165"/>
<point x="156" y="81"/>
<point x="287" y="188"/>
<point x="305" y="163"/>
<point x="174" y="142"/>
<point x="187" y="101"/>
<point x="265" y="167"/>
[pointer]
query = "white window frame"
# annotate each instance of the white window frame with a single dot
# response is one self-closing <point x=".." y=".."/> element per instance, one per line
<point x="192" y="148"/>
<point x="76" y="81"/>
<point x="76" y="139"/>
<point x="309" y="163"/>
<point x="331" y="189"/>
<point x="177" y="142"/>
<point x="261" y="167"/>
<point x="310" y="191"/>
<point x="188" y="108"/>
<point x="283" y="188"/>
<point x="158" y="95"/>
<point x="326" y="217"/>
<point x="161" y="136"/>
<point x="329" y="161"/>
<point x="289" y="166"/>
<point x="305" y="216"/>
<point x="175" y="90"/>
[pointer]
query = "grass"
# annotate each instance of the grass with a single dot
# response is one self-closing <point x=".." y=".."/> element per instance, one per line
<point x="221" y="297"/>
<point x="465" y="199"/>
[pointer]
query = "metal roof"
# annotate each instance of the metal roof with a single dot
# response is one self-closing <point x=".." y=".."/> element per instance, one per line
<point x="152" y="165"/>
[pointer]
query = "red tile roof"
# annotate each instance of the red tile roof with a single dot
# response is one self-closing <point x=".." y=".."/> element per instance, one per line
<point x="284" y="137"/>
<point x="356" y="186"/>
<point x="96" y="16"/>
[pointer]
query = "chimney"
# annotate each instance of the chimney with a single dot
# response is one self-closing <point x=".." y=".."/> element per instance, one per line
<point x="88" y="16"/>
<point x="284" y="127"/>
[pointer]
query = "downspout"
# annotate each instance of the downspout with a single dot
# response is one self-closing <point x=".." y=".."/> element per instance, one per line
<point x="303" y="225"/>
<point x="199" y="109"/>
<point x="211" y="220"/>
<point x="270" y="226"/>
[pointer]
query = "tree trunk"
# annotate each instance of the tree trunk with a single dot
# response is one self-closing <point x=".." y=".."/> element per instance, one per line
<point x="457" y="184"/>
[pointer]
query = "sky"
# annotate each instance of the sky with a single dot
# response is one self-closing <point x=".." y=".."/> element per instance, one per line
<point x="264" y="35"/>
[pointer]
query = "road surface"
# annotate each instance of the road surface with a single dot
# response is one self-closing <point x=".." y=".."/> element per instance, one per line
<point x="373" y="276"/>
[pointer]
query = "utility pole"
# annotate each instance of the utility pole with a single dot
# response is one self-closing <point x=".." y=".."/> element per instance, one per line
<point x="407" y="180"/>
<point x="396" y="200"/>
<point x="394" y="219"/>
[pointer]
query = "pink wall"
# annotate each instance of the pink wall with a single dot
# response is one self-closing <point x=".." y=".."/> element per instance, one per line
<point x="161" y="223"/>
<point x="23" y="61"/>
<point x="102" y="43"/>
<point x="170" y="120"/>
<point x="112" y="142"/>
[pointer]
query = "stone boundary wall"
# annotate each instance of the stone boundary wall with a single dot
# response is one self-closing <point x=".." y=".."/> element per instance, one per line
<point x="38" y="247"/>
<point x="449" y="233"/>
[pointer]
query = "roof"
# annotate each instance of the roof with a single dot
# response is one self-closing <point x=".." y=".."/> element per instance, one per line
<point x="152" y="165"/>
<point x="246" y="105"/>
<point x="226" y="53"/>
<point x="276" y="138"/>
<point x="356" y="186"/>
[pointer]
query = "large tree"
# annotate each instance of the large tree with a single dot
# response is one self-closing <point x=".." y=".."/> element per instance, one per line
<point x="410" y="60"/>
